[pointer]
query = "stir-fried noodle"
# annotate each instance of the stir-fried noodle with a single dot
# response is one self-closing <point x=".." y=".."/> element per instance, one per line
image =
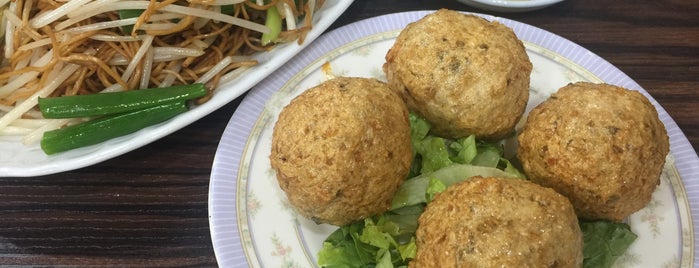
<point x="73" y="47"/>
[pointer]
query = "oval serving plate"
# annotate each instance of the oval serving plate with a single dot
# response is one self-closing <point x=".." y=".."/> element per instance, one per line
<point x="19" y="160"/>
<point x="252" y="224"/>
<point x="509" y="5"/>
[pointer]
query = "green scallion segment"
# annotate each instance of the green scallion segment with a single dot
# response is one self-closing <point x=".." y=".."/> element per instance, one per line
<point x="274" y="22"/>
<point x="108" y="127"/>
<point x="129" y="14"/>
<point x="116" y="102"/>
<point x="228" y="9"/>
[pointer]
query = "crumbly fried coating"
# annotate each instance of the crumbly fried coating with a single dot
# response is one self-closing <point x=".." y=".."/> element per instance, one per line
<point x="462" y="73"/>
<point x="494" y="222"/>
<point x="341" y="149"/>
<point x="600" y="145"/>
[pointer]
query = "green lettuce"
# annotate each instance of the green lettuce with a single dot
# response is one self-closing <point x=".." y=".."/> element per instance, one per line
<point x="434" y="187"/>
<point x="604" y="242"/>
<point x="432" y="153"/>
<point x="465" y="149"/>
<point x="416" y="190"/>
<point x="388" y="240"/>
<point x="385" y="240"/>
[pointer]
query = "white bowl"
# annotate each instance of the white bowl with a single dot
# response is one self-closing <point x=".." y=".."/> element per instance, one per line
<point x="509" y="5"/>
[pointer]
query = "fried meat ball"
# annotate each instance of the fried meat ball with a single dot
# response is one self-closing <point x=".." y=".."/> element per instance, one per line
<point x="600" y="145"/>
<point x="341" y="149"/>
<point x="494" y="222"/>
<point x="462" y="73"/>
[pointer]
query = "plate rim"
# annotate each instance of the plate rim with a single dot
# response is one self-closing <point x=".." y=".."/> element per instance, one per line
<point x="87" y="156"/>
<point x="510" y="5"/>
<point x="679" y="143"/>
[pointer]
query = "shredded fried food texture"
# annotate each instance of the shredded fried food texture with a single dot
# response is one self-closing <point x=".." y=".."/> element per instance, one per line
<point x="75" y="47"/>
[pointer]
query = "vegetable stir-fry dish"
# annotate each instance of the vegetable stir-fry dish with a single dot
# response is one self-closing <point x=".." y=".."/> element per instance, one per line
<point x="57" y="48"/>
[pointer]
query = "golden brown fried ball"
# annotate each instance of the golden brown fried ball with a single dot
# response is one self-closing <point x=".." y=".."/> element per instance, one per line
<point x="462" y="73"/>
<point x="341" y="149"/>
<point x="493" y="222"/>
<point x="600" y="145"/>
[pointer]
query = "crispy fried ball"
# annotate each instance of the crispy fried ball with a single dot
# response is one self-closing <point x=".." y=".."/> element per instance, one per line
<point x="494" y="222"/>
<point x="600" y="145"/>
<point x="341" y="149"/>
<point x="462" y="73"/>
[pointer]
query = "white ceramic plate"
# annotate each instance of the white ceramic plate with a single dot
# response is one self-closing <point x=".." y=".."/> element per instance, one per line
<point x="253" y="225"/>
<point x="19" y="160"/>
<point x="510" y="5"/>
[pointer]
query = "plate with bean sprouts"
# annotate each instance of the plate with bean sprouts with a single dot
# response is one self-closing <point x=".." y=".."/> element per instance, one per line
<point x="72" y="72"/>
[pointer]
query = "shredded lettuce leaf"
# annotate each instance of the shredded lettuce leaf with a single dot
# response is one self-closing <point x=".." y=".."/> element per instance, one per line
<point x="433" y="153"/>
<point x="434" y="187"/>
<point x="489" y="155"/>
<point x="388" y="240"/>
<point x="378" y="241"/>
<point x="419" y="128"/>
<point x="415" y="190"/>
<point x="465" y="148"/>
<point x="604" y="242"/>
